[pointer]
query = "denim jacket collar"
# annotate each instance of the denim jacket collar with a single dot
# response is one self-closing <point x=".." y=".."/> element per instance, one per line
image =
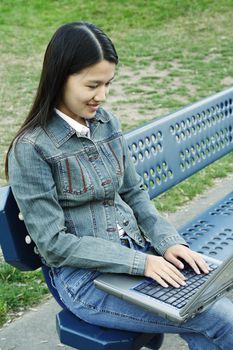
<point x="60" y="131"/>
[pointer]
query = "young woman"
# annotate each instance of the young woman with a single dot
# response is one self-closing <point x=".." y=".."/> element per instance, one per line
<point x="83" y="203"/>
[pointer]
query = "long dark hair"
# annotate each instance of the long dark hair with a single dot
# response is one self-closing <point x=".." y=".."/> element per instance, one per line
<point x="73" y="47"/>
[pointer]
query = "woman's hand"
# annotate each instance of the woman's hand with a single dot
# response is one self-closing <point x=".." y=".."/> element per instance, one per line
<point x="163" y="272"/>
<point x="195" y="260"/>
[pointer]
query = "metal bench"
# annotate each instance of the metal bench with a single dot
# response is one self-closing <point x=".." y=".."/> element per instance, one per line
<point x="165" y="151"/>
<point x="168" y="150"/>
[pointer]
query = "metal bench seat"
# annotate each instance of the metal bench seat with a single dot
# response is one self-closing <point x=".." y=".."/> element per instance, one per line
<point x="72" y="330"/>
<point x="211" y="232"/>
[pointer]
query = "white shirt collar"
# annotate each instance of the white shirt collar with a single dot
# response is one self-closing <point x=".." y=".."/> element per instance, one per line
<point x="81" y="129"/>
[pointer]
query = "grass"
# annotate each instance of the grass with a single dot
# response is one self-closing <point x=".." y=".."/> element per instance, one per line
<point x="19" y="290"/>
<point x="172" y="53"/>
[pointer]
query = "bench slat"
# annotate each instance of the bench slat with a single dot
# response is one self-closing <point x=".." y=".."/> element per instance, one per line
<point x="170" y="149"/>
<point x="211" y="232"/>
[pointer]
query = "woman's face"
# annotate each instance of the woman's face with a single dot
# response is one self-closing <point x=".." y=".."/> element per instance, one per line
<point x="85" y="91"/>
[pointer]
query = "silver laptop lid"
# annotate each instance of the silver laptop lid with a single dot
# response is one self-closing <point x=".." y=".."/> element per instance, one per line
<point x="220" y="283"/>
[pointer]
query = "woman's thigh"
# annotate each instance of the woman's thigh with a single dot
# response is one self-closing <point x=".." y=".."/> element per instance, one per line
<point x="79" y="294"/>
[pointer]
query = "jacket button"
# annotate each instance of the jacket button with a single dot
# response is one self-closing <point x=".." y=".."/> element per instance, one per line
<point x="125" y="222"/>
<point x="106" y="182"/>
<point x="108" y="202"/>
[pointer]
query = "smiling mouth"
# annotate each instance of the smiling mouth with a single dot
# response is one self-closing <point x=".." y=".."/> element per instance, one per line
<point x="93" y="108"/>
<point x="92" y="105"/>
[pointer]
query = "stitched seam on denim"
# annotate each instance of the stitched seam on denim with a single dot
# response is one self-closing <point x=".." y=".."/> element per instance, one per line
<point x="83" y="178"/>
<point x="67" y="285"/>
<point x="93" y="220"/>
<point x="69" y="177"/>
<point x="35" y="146"/>
<point x="31" y="135"/>
<point x="87" y="171"/>
<point x="109" y="190"/>
<point x="59" y="142"/>
<point x="102" y="115"/>
<point x="60" y="157"/>
<point x="188" y="329"/>
<point x="134" y="267"/>
<point x="170" y="239"/>
<point x="119" y="172"/>
<point x="92" y="307"/>
<point x="69" y="223"/>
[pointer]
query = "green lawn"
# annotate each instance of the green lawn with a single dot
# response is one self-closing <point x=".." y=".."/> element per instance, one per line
<point x="172" y="52"/>
<point x="19" y="291"/>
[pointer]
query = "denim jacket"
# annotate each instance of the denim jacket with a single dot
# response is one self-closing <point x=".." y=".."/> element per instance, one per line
<point x="73" y="191"/>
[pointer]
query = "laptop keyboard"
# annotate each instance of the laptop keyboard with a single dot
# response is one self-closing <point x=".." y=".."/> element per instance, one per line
<point x="177" y="297"/>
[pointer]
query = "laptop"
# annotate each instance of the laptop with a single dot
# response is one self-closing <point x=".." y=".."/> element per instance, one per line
<point x="175" y="304"/>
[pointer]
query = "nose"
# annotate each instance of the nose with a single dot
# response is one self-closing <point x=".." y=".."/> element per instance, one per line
<point x="101" y="94"/>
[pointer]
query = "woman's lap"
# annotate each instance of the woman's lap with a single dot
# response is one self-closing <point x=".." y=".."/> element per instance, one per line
<point x="79" y="294"/>
<point x="212" y="329"/>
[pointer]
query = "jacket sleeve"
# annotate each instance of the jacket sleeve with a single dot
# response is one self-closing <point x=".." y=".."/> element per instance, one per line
<point x="35" y="192"/>
<point x="155" y="227"/>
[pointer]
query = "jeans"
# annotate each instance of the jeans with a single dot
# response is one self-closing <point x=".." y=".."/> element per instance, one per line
<point x="210" y="330"/>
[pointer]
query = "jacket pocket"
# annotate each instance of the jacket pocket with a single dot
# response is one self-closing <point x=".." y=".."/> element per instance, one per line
<point x="112" y="151"/>
<point x="74" y="177"/>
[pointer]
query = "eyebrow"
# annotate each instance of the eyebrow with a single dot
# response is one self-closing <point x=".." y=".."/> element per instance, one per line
<point x="99" y="81"/>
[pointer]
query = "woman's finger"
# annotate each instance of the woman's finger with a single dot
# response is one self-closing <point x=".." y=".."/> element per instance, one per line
<point x="202" y="264"/>
<point x="197" y="263"/>
<point x="171" y="278"/>
<point x="175" y="261"/>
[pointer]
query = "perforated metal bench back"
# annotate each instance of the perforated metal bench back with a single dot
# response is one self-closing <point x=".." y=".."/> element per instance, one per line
<point x="170" y="149"/>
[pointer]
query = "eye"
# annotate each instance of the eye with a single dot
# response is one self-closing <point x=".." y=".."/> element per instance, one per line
<point x="92" y="86"/>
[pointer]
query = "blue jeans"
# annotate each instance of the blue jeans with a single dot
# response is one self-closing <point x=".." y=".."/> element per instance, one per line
<point x="210" y="330"/>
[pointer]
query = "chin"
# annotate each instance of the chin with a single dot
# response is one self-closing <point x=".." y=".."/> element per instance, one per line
<point x="90" y="115"/>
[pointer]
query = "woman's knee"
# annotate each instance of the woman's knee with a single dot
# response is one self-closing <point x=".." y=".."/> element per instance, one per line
<point x="222" y="309"/>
